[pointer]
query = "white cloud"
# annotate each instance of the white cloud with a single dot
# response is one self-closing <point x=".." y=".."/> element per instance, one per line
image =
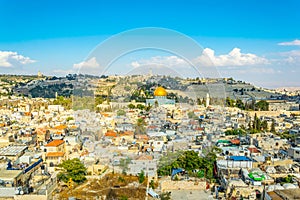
<point x="251" y="70"/>
<point x="233" y="58"/>
<point x="290" y="57"/>
<point x="135" y="64"/>
<point x="13" y="59"/>
<point x="291" y="43"/>
<point x="163" y="61"/>
<point x="295" y="53"/>
<point x="89" y="64"/>
<point x="208" y="58"/>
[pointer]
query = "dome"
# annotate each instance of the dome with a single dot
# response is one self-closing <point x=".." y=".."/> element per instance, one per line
<point x="160" y="91"/>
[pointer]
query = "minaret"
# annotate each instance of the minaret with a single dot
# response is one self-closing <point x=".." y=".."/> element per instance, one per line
<point x="39" y="74"/>
<point x="207" y="100"/>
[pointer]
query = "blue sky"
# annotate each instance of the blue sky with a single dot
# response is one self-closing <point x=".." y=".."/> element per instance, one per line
<point x="53" y="36"/>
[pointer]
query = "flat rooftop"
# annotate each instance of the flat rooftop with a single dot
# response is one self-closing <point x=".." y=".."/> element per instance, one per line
<point x="9" y="175"/>
<point x="289" y="193"/>
<point x="12" y="150"/>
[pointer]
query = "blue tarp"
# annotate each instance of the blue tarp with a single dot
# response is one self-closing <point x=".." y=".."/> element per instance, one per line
<point x="239" y="158"/>
<point x="176" y="171"/>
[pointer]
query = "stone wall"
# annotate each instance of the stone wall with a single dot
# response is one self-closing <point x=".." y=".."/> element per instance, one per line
<point x="271" y="113"/>
<point x="167" y="185"/>
<point x="30" y="197"/>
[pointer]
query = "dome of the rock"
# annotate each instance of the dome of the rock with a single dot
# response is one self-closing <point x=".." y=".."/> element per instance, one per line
<point x="160" y="92"/>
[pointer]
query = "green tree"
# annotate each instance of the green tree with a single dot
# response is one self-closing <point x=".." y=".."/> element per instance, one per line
<point x="121" y="112"/>
<point x="99" y="100"/>
<point x="156" y="104"/>
<point x="123" y="197"/>
<point x="264" y="125"/>
<point x="152" y="184"/>
<point x="255" y="122"/>
<point x="198" y="101"/>
<point x="63" y="101"/>
<point x="229" y="102"/>
<point x="140" y="106"/>
<point x="191" y="115"/>
<point x="142" y="177"/>
<point x="287" y="179"/>
<point x="262" y="105"/>
<point x="72" y="169"/>
<point x="235" y="132"/>
<point x="140" y="127"/>
<point x="258" y="124"/>
<point x="165" y="196"/>
<point x="240" y="104"/>
<point x="273" y="126"/>
<point x="69" y="118"/>
<point x="190" y="160"/>
<point x="124" y="164"/>
<point x="203" y="102"/>
<point x="131" y="106"/>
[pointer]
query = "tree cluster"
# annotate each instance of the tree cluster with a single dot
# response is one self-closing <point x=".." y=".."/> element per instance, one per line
<point x="258" y="125"/>
<point x="63" y="101"/>
<point x="235" y="132"/>
<point x="189" y="161"/>
<point x="262" y="105"/>
<point x="73" y="169"/>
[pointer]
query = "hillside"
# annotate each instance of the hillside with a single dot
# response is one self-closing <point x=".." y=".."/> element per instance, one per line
<point x="123" y="88"/>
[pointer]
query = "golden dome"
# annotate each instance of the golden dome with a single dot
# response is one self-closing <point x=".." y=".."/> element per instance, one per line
<point x="160" y="91"/>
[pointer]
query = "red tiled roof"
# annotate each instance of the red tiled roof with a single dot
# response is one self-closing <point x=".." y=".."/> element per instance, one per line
<point x="127" y="133"/>
<point x="27" y="113"/>
<point x="54" y="143"/>
<point x="111" y="134"/>
<point x="152" y="127"/>
<point x="60" y="127"/>
<point x="41" y="131"/>
<point x="142" y="137"/>
<point x="145" y="157"/>
<point x="55" y="154"/>
<point x="105" y="114"/>
<point x="235" y="141"/>
<point x="253" y="150"/>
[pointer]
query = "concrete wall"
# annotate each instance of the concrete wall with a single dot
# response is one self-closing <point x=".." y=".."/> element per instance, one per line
<point x="235" y="164"/>
<point x="182" y="185"/>
<point x="271" y="113"/>
<point x="30" y="197"/>
<point x="6" y="192"/>
<point x="279" y="175"/>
